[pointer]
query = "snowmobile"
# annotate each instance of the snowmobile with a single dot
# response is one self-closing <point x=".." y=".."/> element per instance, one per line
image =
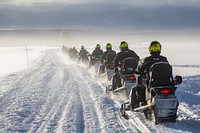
<point x="97" y="64"/>
<point x="84" y="59"/>
<point x="127" y="79"/>
<point x="107" y="68"/>
<point x="107" y="71"/>
<point x="74" y="56"/>
<point x="160" y="103"/>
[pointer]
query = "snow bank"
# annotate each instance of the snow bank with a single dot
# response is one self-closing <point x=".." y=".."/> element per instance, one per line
<point x="19" y="58"/>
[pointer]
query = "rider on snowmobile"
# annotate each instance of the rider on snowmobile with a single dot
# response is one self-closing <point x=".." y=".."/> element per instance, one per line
<point x="96" y="55"/>
<point x="143" y="70"/>
<point x="124" y="53"/>
<point x="108" y="57"/>
<point x="73" y="53"/>
<point x="83" y="54"/>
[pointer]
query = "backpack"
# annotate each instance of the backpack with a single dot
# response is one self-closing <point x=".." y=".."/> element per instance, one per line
<point x="160" y="74"/>
<point x="110" y="57"/>
<point x="129" y="65"/>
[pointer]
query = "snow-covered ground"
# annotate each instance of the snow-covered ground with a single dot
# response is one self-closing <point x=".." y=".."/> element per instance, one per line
<point x="18" y="58"/>
<point x="49" y="93"/>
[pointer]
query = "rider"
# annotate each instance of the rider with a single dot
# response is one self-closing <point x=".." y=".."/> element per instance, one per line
<point x="124" y="53"/>
<point x="96" y="55"/>
<point x="143" y="70"/>
<point x="108" y="57"/>
<point x="73" y="53"/>
<point x="83" y="54"/>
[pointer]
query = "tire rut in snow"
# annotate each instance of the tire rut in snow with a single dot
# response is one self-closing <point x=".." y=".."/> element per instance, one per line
<point x="136" y="122"/>
<point x="187" y="120"/>
<point x="18" y="105"/>
<point x="103" y="108"/>
<point x="90" y="120"/>
<point x="21" y="108"/>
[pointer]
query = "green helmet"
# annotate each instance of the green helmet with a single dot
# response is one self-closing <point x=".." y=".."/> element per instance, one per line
<point x="82" y="47"/>
<point x="108" y="46"/>
<point x="98" y="46"/>
<point x="123" y="45"/>
<point x="155" y="47"/>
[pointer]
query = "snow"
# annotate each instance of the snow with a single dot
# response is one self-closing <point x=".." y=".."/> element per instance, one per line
<point x="50" y="93"/>
<point x="18" y="58"/>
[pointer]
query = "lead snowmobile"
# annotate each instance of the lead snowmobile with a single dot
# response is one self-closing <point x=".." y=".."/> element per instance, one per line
<point x="160" y="103"/>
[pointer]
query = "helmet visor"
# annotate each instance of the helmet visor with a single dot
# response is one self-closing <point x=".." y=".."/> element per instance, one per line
<point x="155" y="48"/>
<point x="108" y="46"/>
<point x="98" y="46"/>
<point x="123" y="45"/>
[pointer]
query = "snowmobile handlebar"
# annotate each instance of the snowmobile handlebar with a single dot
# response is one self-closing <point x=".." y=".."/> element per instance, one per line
<point x="177" y="80"/>
<point x="136" y="72"/>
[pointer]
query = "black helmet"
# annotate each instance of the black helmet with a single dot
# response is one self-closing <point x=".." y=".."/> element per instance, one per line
<point x="155" y="47"/>
<point x="123" y="46"/>
<point x="108" y="46"/>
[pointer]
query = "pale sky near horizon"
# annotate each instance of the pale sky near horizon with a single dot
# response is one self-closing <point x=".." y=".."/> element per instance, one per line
<point x="125" y="2"/>
<point x="113" y="15"/>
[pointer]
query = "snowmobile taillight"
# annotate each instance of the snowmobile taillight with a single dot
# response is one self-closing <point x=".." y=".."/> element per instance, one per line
<point x="132" y="78"/>
<point x="165" y="91"/>
<point x="111" y="66"/>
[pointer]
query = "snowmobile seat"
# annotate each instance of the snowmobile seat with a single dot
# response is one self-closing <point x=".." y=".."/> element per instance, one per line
<point x="129" y="65"/>
<point x="160" y="74"/>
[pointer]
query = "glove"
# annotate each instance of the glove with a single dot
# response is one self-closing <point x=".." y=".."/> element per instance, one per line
<point x="136" y="72"/>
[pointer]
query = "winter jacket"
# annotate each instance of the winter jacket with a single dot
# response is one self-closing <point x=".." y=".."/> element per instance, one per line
<point x="107" y="53"/>
<point x="147" y="62"/>
<point x="123" y="55"/>
<point x="83" y="54"/>
<point x="97" y="54"/>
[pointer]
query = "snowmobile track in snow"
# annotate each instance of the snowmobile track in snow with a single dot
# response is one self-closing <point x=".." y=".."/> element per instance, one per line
<point x="57" y="95"/>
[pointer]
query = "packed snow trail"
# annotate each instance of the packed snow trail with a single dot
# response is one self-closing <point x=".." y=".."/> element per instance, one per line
<point x="54" y="96"/>
<point x="57" y="95"/>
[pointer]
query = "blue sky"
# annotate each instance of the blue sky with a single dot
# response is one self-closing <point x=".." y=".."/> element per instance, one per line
<point x="102" y="15"/>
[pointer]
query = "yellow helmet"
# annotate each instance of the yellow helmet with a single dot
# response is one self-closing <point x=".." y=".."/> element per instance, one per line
<point x="155" y="47"/>
<point x="98" y="46"/>
<point x="123" y="45"/>
<point x="82" y="47"/>
<point x="108" y="46"/>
